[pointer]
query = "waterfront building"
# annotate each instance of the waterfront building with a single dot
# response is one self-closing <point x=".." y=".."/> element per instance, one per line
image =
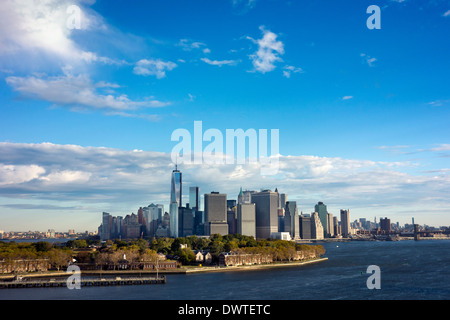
<point x="316" y="226"/>
<point x="345" y="223"/>
<point x="305" y="226"/>
<point x="246" y="223"/>
<point x="330" y="225"/>
<point x="185" y="221"/>
<point x="175" y="201"/>
<point x="291" y="217"/>
<point x="216" y="213"/>
<point x="321" y="209"/>
<point x="266" y="218"/>
<point x="106" y="226"/>
<point x="385" y="225"/>
<point x="336" y="227"/>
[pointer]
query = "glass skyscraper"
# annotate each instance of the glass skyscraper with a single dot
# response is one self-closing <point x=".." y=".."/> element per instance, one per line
<point x="175" y="201"/>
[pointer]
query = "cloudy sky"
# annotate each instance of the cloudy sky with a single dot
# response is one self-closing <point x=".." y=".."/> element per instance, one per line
<point x="91" y="92"/>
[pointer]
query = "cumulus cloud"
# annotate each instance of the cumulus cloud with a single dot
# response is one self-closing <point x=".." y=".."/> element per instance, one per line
<point x="75" y="91"/>
<point x="153" y="67"/>
<point x="41" y="27"/>
<point x="268" y="53"/>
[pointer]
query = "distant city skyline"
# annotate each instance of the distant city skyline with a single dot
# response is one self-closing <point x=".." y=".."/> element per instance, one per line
<point x="91" y="97"/>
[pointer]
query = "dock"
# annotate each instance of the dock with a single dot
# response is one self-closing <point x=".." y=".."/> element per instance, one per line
<point x="83" y="282"/>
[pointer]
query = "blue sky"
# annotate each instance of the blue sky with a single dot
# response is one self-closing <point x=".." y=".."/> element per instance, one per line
<point x="363" y="114"/>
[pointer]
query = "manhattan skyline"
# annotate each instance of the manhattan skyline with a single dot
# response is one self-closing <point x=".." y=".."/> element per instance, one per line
<point x="88" y="110"/>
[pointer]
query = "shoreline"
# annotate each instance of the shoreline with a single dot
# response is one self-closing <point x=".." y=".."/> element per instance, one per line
<point x="254" y="266"/>
<point x="182" y="270"/>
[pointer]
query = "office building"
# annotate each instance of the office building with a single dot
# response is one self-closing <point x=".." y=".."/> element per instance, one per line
<point x="106" y="226"/>
<point x="385" y="225"/>
<point x="216" y="213"/>
<point x="330" y="225"/>
<point x="345" y="223"/>
<point x="245" y="196"/>
<point x="246" y="219"/>
<point x="175" y="201"/>
<point x="266" y="207"/>
<point x="185" y="222"/>
<point x="321" y="209"/>
<point x="291" y="217"/>
<point x="305" y="226"/>
<point x="194" y="198"/>
<point x="316" y="226"/>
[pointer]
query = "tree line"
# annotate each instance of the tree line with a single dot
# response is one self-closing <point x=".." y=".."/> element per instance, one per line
<point x="136" y="250"/>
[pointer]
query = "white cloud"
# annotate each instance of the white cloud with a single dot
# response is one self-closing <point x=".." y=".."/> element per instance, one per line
<point x="76" y="91"/>
<point x="189" y="45"/>
<point x="17" y="174"/>
<point x="218" y="62"/>
<point x="446" y="14"/>
<point x="347" y="97"/>
<point x="367" y="59"/>
<point x="288" y="69"/>
<point x="268" y="53"/>
<point x="40" y="27"/>
<point x="153" y="67"/>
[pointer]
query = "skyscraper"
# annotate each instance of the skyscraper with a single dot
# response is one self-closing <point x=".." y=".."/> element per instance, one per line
<point x="194" y="198"/>
<point x="385" y="225"/>
<point x="316" y="226"/>
<point x="246" y="219"/>
<point x="216" y="213"/>
<point x="345" y="222"/>
<point x="321" y="209"/>
<point x="175" y="201"/>
<point x="266" y="213"/>
<point x="305" y="226"/>
<point x="291" y="213"/>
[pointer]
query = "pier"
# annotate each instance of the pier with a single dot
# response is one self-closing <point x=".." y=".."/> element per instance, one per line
<point x="83" y="282"/>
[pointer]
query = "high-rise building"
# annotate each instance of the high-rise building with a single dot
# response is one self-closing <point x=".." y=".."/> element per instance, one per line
<point x="291" y="215"/>
<point x="385" y="225"/>
<point x="106" y="226"/>
<point x="330" y="225"/>
<point x="336" y="227"/>
<point x="194" y="198"/>
<point x="245" y="196"/>
<point x="305" y="226"/>
<point x="345" y="222"/>
<point x="185" y="222"/>
<point x="283" y="200"/>
<point x="316" y="226"/>
<point x="266" y="213"/>
<point x="246" y="223"/>
<point x="175" y="201"/>
<point x="216" y="213"/>
<point x="321" y="209"/>
<point x="153" y="215"/>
